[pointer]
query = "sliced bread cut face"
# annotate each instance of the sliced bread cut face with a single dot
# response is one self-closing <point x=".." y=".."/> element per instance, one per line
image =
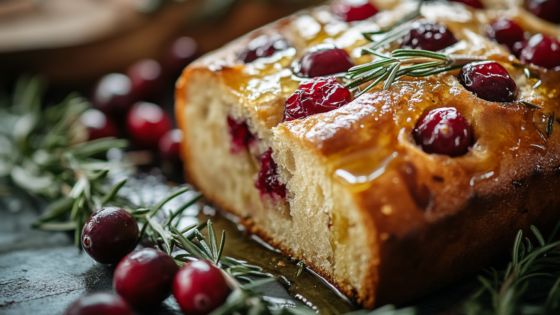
<point x="365" y="207"/>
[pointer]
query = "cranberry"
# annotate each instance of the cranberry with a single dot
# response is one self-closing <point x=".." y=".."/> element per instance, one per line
<point x="505" y="32"/>
<point x="489" y="81"/>
<point x="147" y="123"/>
<point x="475" y="4"/>
<point x="315" y="96"/>
<point x="268" y="182"/>
<point x="147" y="79"/>
<point x="324" y="59"/>
<point x="263" y="46"/>
<point x="200" y="288"/>
<point x="241" y="137"/>
<point x="182" y="52"/>
<point x="428" y="36"/>
<point x="112" y="94"/>
<point x="443" y="131"/>
<point x="354" y="10"/>
<point x="144" y="278"/>
<point x="99" y="303"/>
<point x="109" y="234"/>
<point x="545" y="9"/>
<point x="543" y="51"/>
<point x="170" y="144"/>
<point x="98" y="124"/>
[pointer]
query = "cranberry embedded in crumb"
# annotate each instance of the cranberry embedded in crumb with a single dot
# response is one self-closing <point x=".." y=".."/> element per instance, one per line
<point x="323" y="60"/>
<point x="315" y="96"/>
<point x="545" y="9"/>
<point x="109" y="234"/>
<point x="475" y="4"/>
<point x="200" y="288"/>
<point x="543" y="51"/>
<point x="144" y="278"/>
<point x="489" y="81"/>
<point x="268" y="180"/>
<point x="354" y="10"/>
<point x="147" y="123"/>
<point x="98" y="124"/>
<point x="99" y="303"/>
<point x="443" y="131"/>
<point x="263" y="46"/>
<point x="505" y="32"/>
<point x="428" y="36"/>
<point x="112" y="94"/>
<point x="241" y="136"/>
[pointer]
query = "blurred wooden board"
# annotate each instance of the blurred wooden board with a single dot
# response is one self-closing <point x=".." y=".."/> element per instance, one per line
<point x="75" y="42"/>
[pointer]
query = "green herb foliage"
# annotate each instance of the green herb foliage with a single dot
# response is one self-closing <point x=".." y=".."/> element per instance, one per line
<point x="44" y="153"/>
<point x="508" y="288"/>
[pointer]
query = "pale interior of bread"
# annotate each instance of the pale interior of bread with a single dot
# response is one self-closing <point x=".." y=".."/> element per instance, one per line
<point x="319" y="223"/>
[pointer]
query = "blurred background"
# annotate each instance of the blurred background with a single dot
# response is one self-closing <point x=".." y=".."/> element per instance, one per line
<point x="124" y="56"/>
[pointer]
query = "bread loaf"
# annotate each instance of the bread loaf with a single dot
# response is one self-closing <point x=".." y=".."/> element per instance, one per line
<point x="350" y="190"/>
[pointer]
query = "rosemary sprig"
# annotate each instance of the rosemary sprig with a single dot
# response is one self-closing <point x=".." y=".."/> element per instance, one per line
<point x="410" y="62"/>
<point x="43" y="154"/>
<point x="530" y="105"/>
<point x="508" y="287"/>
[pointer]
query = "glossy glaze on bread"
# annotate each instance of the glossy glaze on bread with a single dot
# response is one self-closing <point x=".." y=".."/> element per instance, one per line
<point x="366" y="208"/>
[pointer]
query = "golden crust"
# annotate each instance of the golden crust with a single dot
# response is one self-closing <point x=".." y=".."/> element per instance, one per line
<point x="436" y="219"/>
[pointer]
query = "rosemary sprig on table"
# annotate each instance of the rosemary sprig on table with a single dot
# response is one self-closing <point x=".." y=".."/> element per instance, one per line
<point x="44" y="153"/>
<point x="508" y="287"/>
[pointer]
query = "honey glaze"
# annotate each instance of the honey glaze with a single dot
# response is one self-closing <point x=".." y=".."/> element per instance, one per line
<point x="367" y="144"/>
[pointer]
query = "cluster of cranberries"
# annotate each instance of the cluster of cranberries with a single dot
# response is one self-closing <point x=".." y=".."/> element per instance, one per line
<point x="145" y="277"/>
<point x="128" y="98"/>
<point x="540" y="50"/>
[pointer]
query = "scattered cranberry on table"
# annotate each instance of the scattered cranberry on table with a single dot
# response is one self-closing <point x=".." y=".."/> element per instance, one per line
<point x="170" y="144"/>
<point x="144" y="278"/>
<point x="354" y="10"/>
<point x="475" y="4"/>
<point x="182" y="51"/>
<point x="428" y="36"/>
<point x="268" y="179"/>
<point x="545" y="9"/>
<point x="98" y="124"/>
<point x="263" y="46"/>
<point x="489" y="81"/>
<point x="200" y="288"/>
<point x="315" y="96"/>
<point x="109" y="234"/>
<point x="543" y="51"/>
<point x="99" y="303"/>
<point x="241" y="136"/>
<point x="506" y="32"/>
<point x="147" y="123"/>
<point x="112" y="94"/>
<point x="146" y="77"/>
<point x="443" y="131"/>
<point x="323" y="60"/>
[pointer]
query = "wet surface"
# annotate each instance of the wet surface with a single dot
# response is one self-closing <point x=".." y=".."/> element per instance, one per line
<point x="43" y="272"/>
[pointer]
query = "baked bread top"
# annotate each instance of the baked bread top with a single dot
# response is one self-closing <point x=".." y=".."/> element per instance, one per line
<point x="505" y="181"/>
<point x="373" y="132"/>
